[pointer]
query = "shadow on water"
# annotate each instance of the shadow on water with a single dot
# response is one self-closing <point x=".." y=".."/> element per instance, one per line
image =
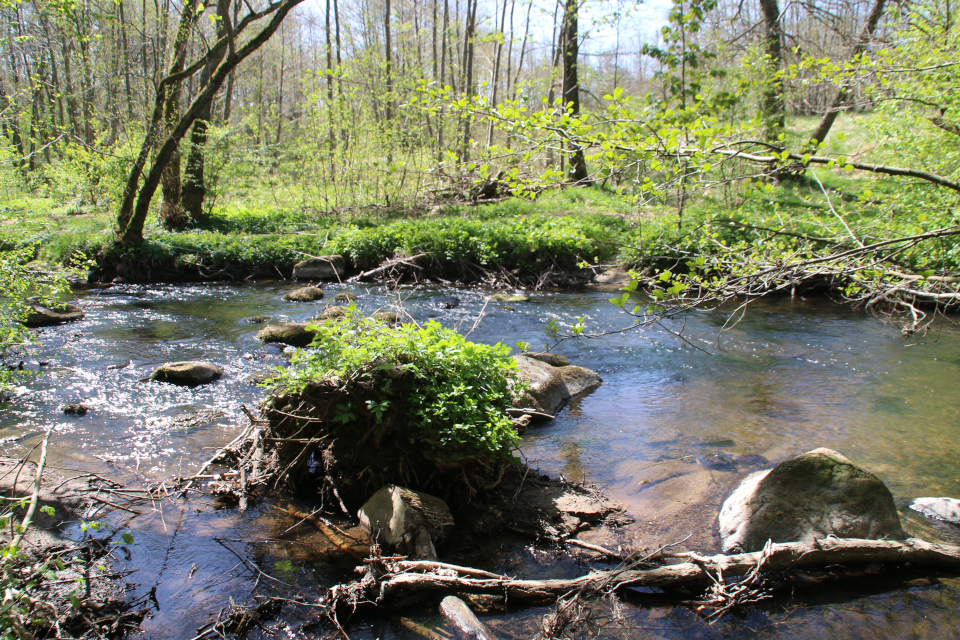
<point x="669" y="434"/>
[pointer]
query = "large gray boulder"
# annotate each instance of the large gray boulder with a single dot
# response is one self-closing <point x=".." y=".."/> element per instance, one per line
<point x="406" y="520"/>
<point x="294" y="334"/>
<point x="44" y="317"/>
<point x="322" y="268"/>
<point x="187" y="373"/>
<point x="549" y="386"/>
<point x="815" y="495"/>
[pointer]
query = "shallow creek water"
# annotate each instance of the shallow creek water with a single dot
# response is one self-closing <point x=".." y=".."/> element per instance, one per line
<point x="670" y="433"/>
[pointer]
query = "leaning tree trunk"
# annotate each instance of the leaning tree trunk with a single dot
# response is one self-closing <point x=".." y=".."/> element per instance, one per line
<point x="172" y="215"/>
<point x="194" y="184"/>
<point x="823" y="129"/>
<point x="772" y="104"/>
<point x="571" y="86"/>
<point x="135" y="205"/>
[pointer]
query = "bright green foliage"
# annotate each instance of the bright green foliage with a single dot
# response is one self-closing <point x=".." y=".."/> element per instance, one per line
<point x="19" y="288"/>
<point x="454" y="391"/>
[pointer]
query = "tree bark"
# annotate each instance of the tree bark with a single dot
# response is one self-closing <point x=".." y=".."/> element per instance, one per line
<point x="172" y="215"/>
<point x="136" y="200"/>
<point x="772" y="104"/>
<point x="194" y="183"/>
<point x="406" y="576"/>
<point x="571" y="86"/>
<point x="826" y="122"/>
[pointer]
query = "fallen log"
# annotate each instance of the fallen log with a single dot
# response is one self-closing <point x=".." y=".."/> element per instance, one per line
<point x="366" y="276"/>
<point x="696" y="570"/>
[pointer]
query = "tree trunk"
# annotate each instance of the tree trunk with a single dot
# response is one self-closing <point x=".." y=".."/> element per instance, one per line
<point x="826" y="122"/>
<point x="772" y="105"/>
<point x="172" y="215"/>
<point x="407" y="577"/>
<point x="194" y="184"/>
<point x="136" y="199"/>
<point x="388" y="57"/>
<point x="571" y="86"/>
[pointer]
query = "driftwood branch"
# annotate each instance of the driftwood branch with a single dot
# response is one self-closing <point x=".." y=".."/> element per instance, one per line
<point x="373" y="273"/>
<point x="695" y="570"/>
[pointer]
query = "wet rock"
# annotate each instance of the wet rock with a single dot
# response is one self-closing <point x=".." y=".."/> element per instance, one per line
<point x="259" y="319"/>
<point x="76" y="409"/>
<point x="259" y="377"/>
<point x="388" y="317"/>
<point x="345" y="296"/>
<point x="612" y="279"/>
<point x="44" y="317"/>
<point x="304" y="294"/>
<point x="552" y="359"/>
<point x="946" y="509"/>
<point x="509" y="297"/>
<point x="330" y="313"/>
<point x="76" y="282"/>
<point x="814" y="495"/>
<point x="449" y="303"/>
<point x="322" y="268"/>
<point x="188" y="373"/>
<point x="294" y="334"/>
<point x="549" y="386"/>
<point x="466" y="622"/>
<point x="405" y="519"/>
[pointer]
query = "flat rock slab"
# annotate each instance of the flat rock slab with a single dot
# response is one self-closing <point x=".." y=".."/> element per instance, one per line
<point x="321" y="268"/>
<point x="304" y="294"/>
<point x="187" y="373"/>
<point x="549" y="386"/>
<point x="815" y="495"/>
<point x="946" y="509"/>
<point x="294" y="334"/>
<point x="44" y="317"/>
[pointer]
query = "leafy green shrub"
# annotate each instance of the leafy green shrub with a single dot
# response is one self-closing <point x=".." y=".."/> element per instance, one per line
<point x="454" y="391"/>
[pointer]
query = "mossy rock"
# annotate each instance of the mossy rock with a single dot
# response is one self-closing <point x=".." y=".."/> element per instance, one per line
<point x="330" y="313"/>
<point x="44" y="317"/>
<point x="294" y="334"/>
<point x="304" y="294"/>
<point x="387" y="317"/>
<point x="345" y="296"/>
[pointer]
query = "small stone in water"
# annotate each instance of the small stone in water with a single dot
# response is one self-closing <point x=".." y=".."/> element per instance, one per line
<point x="76" y="409"/>
<point x="946" y="509"/>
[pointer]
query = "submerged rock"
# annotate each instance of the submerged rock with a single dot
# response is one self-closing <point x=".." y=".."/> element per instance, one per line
<point x="294" y="334"/>
<point x="259" y="319"/>
<point x="322" y="268"/>
<point x="407" y="520"/>
<point x="78" y="410"/>
<point x="260" y="377"/>
<point x="44" y="317"/>
<point x="509" y="297"/>
<point x="330" y="313"/>
<point x="550" y="386"/>
<point x="304" y="294"/>
<point x="187" y="373"/>
<point x="814" y="495"/>
<point x="345" y="296"/>
<point x="388" y="317"/>
<point x="946" y="509"/>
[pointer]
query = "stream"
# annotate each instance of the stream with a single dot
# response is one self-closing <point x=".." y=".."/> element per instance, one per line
<point x="674" y="428"/>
